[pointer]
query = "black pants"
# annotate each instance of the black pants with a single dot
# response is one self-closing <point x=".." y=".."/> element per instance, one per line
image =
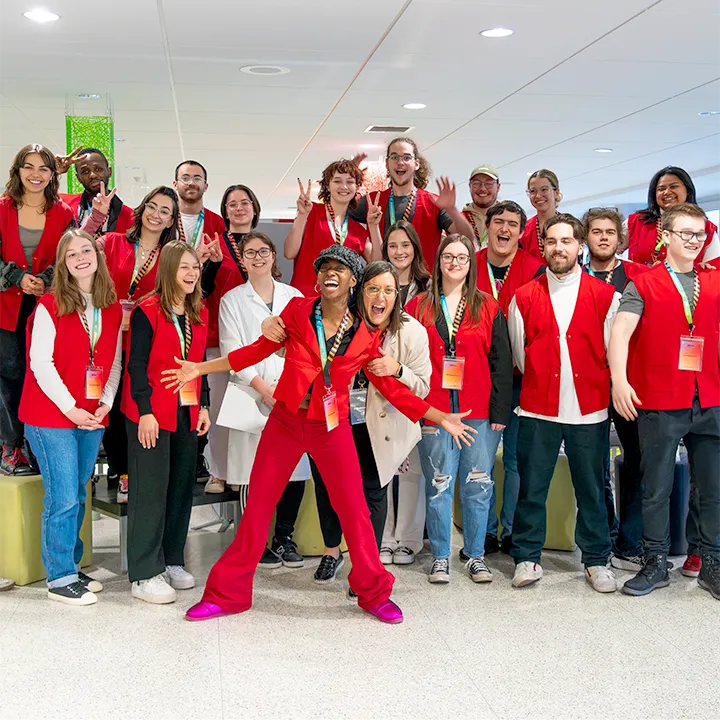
<point x="160" y="492"/>
<point x="660" y="432"/>
<point x="287" y="509"/>
<point x="115" y="441"/>
<point x="375" y="495"/>
<point x="12" y="376"/>
<point x="537" y="451"/>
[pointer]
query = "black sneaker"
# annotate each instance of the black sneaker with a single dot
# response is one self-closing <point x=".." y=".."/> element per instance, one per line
<point x="328" y="568"/>
<point x="73" y="594"/>
<point x="506" y="544"/>
<point x="269" y="560"/>
<point x="286" y="550"/>
<point x="463" y="555"/>
<point x="439" y="571"/>
<point x="709" y="577"/>
<point x="113" y="480"/>
<point x="352" y="594"/>
<point x="492" y="545"/>
<point x="653" y="575"/>
<point x="94" y="586"/>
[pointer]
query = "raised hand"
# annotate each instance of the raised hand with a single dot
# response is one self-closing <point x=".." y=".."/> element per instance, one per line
<point x="63" y="162"/>
<point x="304" y="203"/>
<point x="210" y="249"/>
<point x="374" y="211"/>
<point x="359" y="159"/>
<point x="177" y="377"/>
<point x="446" y="194"/>
<point x="101" y="202"/>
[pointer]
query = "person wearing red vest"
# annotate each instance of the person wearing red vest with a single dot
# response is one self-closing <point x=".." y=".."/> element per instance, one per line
<point x="73" y="373"/>
<point x="502" y="268"/>
<point x="32" y="220"/>
<point x="407" y="199"/>
<point x="543" y="189"/>
<point x="665" y="372"/>
<point x="320" y="225"/>
<point x="484" y="187"/>
<point x="668" y="187"/>
<point x="163" y="427"/>
<point x="326" y="344"/>
<point x="559" y="329"/>
<point x="471" y="372"/>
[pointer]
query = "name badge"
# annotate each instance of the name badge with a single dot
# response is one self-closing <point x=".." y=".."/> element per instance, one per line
<point x="358" y="403"/>
<point x="453" y="373"/>
<point x="332" y="416"/>
<point x="93" y="382"/>
<point x="188" y="393"/>
<point x="691" y="352"/>
<point x="127" y="307"/>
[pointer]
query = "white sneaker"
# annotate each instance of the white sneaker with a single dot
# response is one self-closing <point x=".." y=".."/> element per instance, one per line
<point x="179" y="577"/>
<point x="386" y="555"/>
<point x="155" y="590"/>
<point x="403" y="556"/>
<point x="601" y="578"/>
<point x="526" y="573"/>
<point x="6" y="583"/>
<point x="215" y="485"/>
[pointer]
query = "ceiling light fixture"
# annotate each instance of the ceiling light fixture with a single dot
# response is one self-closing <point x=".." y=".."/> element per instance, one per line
<point x="89" y="96"/>
<point x="709" y="113"/>
<point x="264" y="70"/>
<point x="414" y="106"/>
<point x="118" y="139"/>
<point x="39" y="15"/>
<point x="603" y="150"/>
<point x="496" y="32"/>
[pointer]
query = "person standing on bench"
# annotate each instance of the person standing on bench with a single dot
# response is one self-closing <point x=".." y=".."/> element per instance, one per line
<point x="72" y="377"/>
<point x="162" y="426"/>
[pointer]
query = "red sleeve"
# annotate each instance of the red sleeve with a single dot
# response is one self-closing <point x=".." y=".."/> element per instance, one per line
<point x="398" y="394"/>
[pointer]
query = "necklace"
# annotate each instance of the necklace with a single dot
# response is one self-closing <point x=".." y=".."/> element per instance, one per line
<point x="145" y="251"/>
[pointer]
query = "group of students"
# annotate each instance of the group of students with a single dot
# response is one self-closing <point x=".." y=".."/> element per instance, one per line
<point x="412" y="339"/>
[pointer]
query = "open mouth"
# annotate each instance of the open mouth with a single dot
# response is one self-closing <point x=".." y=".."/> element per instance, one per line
<point x="190" y="283"/>
<point x="331" y="284"/>
<point x="154" y="221"/>
<point x="377" y="310"/>
<point x="503" y="240"/>
<point x="259" y="264"/>
<point x="82" y="266"/>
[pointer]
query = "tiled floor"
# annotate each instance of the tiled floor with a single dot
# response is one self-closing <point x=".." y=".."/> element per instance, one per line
<point x="558" y="650"/>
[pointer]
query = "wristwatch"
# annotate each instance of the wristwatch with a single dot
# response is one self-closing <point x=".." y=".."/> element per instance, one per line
<point x="399" y="373"/>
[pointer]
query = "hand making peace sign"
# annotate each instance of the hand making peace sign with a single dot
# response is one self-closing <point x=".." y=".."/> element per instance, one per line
<point x="374" y="211"/>
<point x="101" y="202"/>
<point x="304" y="203"/>
<point x="63" y="162"/>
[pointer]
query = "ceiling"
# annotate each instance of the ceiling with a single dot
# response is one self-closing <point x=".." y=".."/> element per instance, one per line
<point x="630" y="75"/>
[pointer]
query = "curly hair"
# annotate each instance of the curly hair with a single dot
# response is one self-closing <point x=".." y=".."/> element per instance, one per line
<point x="341" y="166"/>
<point x="422" y="175"/>
<point x="14" y="186"/>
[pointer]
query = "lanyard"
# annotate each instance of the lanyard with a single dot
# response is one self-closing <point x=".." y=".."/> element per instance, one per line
<point x="340" y="235"/>
<point x="481" y="237"/>
<point x="696" y="294"/>
<point x="495" y="283"/>
<point x="233" y="243"/>
<point x="196" y="231"/>
<point x="186" y="338"/>
<point x="455" y="324"/>
<point x="608" y="277"/>
<point x="94" y="333"/>
<point x="659" y="243"/>
<point x="409" y="208"/>
<point x="326" y="357"/>
<point x="138" y="275"/>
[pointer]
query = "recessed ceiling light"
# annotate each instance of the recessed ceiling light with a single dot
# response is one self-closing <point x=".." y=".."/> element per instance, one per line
<point x="708" y="113"/>
<point x="89" y="96"/>
<point x="496" y="32"/>
<point x="603" y="150"/>
<point x="119" y="139"/>
<point x="41" y="16"/>
<point x="414" y="106"/>
<point x="264" y="70"/>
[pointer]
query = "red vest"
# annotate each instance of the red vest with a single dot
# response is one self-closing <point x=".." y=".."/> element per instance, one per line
<point x="529" y="240"/>
<point x="122" y="224"/>
<point x="424" y="220"/>
<point x="522" y="270"/>
<point x="120" y="258"/>
<point x="317" y="237"/>
<point x="540" y="392"/>
<point x="71" y="355"/>
<point x="472" y="342"/>
<point x="655" y="345"/>
<point x="633" y="269"/>
<point x="165" y="347"/>
<point x="643" y="238"/>
<point x="228" y="277"/>
<point x="57" y="219"/>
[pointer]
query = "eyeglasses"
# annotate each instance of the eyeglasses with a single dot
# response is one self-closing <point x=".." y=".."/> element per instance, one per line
<point x="152" y="208"/>
<point x="406" y="157"/>
<point x="374" y="291"/>
<point x="192" y="179"/>
<point x="242" y="204"/>
<point x="603" y="209"/>
<point x="263" y="252"/>
<point x="541" y="191"/>
<point x="486" y="184"/>
<point x="461" y="259"/>
<point x="689" y="236"/>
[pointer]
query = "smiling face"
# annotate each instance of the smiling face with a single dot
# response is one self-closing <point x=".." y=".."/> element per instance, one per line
<point x="35" y="175"/>
<point x="484" y="190"/>
<point x="335" y="280"/>
<point x="401" y="163"/>
<point x="400" y="250"/>
<point x="503" y="232"/>
<point x="239" y="208"/>
<point x="342" y="187"/>
<point x="455" y="262"/>
<point x="603" y="239"/>
<point x="670" y="191"/>
<point x="561" y="248"/>
<point x="188" y="273"/>
<point x="158" y="213"/>
<point x="81" y="258"/>
<point x="684" y="251"/>
<point x="91" y="171"/>
<point x="379" y="297"/>
<point x="258" y="258"/>
<point x="191" y="183"/>
<point x="543" y="196"/>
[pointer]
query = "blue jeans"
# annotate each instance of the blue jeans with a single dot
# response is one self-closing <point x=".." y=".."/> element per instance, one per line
<point x="66" y="457"/>
<point x="511" y="483"/>
<point x="442" y="462"/>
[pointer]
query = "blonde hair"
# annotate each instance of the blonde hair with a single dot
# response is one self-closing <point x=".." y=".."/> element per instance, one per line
<point x="166" y="287"/>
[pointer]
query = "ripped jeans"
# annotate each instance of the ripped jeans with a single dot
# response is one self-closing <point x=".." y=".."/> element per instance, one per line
<point x="442" y="462"/>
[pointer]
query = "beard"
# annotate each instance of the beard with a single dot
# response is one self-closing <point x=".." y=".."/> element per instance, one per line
<point x="602" y="254"/>
<point x="561" y="266"/>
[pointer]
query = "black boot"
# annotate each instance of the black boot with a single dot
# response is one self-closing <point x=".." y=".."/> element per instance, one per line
<point x="709" y="578"/>
<point x="653" y="575"/>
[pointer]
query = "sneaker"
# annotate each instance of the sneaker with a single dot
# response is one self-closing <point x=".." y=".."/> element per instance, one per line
<point x="492" y="545"/>
<point x="463" y="555"/>
<point x="506" y="544"/>
<point x="6" y="584"/>
<point x="403" y="556"/>
<point x="692" y="566"/>
<point x="479" y="572"/>
<point x="113" y="480"/>
<point x="628" y="562"/>
<point x="526" y="573"/>
<point x="214" y="486"/>
<point x="178" y="577"/>
<point x="73" y="594"/>
<point x="269" y="560"/>
<point x="386" y="555"/>
<point x="709" y="576"/>
<point x="122" y="491"/>
<point x="286" y="550"/>
<point x="440" y="571"/>
<point x="653" y="575"/>
<point x="601" y="578"/>
<point x="94" y="586"/>
<point x="154" y="590"/>
<point x="9" y="460"/>
<point x="328" y="569"/>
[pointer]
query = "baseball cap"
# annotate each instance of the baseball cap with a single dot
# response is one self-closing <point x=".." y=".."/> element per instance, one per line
<point x="485" y="170"/>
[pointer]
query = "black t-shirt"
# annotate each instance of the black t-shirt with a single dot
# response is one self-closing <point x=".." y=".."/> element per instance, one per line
<point x="359" y="213"/>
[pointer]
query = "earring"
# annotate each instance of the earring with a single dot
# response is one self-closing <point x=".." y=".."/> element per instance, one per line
<point x="317" y="289"/>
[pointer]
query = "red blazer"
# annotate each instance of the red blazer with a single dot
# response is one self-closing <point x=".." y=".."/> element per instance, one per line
<point x="303" y="370"/>
<point x="472" y="342"/>
<point x="120" y="258"/>
<point x="540" y="392"/>
<point x="122" y="224"/>
<point x="165" y="347"/>
<point x="655" y="345"/>
<point x="317" y="237"/>
<point x="71" y="355"/>
<point x="643" y="238"/>
<point x="228" y="277"/>
<point x="57" y="220"/>
<point x="523" y="269"/>
<point x="529" y="240"/>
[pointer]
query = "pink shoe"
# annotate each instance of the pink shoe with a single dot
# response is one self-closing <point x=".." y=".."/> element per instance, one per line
<point x="387" y="612"/>
<point x="204" y="611"/>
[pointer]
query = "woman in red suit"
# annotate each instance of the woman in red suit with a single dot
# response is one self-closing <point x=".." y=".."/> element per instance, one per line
<point x="543" y="189"/>
<point x="327" y="343"/>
